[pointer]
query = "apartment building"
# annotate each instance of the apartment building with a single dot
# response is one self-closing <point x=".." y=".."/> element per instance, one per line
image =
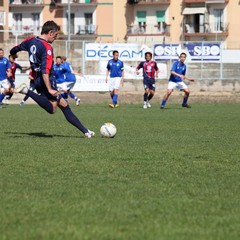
<point x="162" y="21"/>
<point x="4" y="6"/>
<point x="184" y="20"/>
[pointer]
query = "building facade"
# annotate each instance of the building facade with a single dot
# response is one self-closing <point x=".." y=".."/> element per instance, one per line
<point x="143" y="21"/>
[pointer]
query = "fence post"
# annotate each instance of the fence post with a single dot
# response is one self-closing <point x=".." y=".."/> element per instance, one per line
<point x="221" y="62"/>
<point x="83" y="58"/>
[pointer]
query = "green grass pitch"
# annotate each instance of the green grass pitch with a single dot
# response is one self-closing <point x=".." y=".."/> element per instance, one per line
<point x="167" y="174"/>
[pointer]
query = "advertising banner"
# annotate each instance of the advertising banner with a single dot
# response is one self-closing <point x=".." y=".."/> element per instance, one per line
<point x="204" y="52"/>
<point x="127" y="52"/>
<point x="91" y="83"/>
<point x="164" y="52"/>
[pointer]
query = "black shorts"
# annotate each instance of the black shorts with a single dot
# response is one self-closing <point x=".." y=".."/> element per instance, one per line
<point x="12" y="82"/>
<point x="149" y="83"/>
<point x="42" y="89"/>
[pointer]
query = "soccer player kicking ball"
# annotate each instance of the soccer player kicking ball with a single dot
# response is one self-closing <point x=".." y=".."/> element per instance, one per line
<point x="177" y="76"/>
<point x="41" y="60"/>
<point x="116" y="69"/>
<point x="150" y="69"/>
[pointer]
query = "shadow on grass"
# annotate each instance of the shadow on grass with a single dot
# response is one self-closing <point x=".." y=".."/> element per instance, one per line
<point x="39" y="135"/>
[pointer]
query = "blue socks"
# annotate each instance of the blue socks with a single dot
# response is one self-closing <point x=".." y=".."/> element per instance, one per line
<point x="72" y="95"/>
<point x="73" y="119"/>
<point x="185" y="100"/>
<point x="2" y="96"/>
<point x="163" y="103"/>
<point x="115" y="98"/>
<point x="65" y="95"/>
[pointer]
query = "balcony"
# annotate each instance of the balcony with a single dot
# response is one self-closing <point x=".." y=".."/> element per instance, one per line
<point x="149" y="30"/>
<point x="206" y="30"/>
<point x="86" y="29"/>
<point x="77" y="2"/>
<point x="206" y="1"/>
<point x="144" y="2"/>
<point x="26" y="2"/>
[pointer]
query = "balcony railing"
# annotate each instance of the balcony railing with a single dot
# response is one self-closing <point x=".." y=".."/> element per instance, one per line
<point x="155" y="1"/>
<point x="30" y="2"/>
<point x="207" y="28"/>
<point x="86" y="29"/>
<point x="205" y="1"/>
<point x="74" y="1"/>
<point x="146" y="29"/>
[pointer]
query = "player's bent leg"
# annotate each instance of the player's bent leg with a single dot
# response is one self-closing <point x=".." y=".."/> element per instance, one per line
<point x="150" y="96"/>
<point x="41" y="100"/>
<point x="115" y="98"/>
<point x="71" y="118"/>
<point x="185" y="98"/>
<point x="165" y="98"/>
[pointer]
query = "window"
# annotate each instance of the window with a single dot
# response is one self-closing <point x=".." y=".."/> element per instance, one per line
<point x="218" y="20"/>
<point x="17" y="18"/>
<point x="72" y="25"/>
<point x="35" y="21"/>
<point x="161" y="25"/>
<point x="89" y="23"/>
<point x="141" y="16"/>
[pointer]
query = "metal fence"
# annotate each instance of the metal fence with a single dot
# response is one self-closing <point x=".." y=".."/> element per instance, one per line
<point x="202" y="69"/>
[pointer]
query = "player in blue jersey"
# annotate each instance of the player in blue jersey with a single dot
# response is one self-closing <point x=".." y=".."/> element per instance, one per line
<point x="70" y="79"/>
<point x="41" y="60"/>
<point x="5" y="73"/>
<point x="150" y="72"/>
<point x="116" y="69"/>
<point x="178" y="74"/>
<point x="59" y="73"/>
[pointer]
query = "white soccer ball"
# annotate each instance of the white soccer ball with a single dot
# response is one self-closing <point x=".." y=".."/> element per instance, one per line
<point x="108" y="130"/>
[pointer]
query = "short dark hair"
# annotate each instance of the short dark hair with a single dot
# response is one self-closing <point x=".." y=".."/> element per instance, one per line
<point x="115" y="51"/>
<point x="183" y="53"/>
<point x="49" y="26"/>
<point x="58" y="57"/>
<point x="1" y="49"/>
<point x="146" y="53"/>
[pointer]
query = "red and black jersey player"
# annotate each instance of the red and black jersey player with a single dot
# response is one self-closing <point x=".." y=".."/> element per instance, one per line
<point x="150" y="72"/>
<point x="41" y="60"/>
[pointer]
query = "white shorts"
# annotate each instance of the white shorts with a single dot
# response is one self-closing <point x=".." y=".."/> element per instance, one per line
<point x="114" y="83"/>
<point x="177" y="85"/>
<point x="63" y="86"/>
<point x="70" y="85"/>
<point x="4" y="84"/>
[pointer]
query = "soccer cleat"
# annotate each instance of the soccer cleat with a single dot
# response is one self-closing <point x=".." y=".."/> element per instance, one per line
<point x="148" y="105"/>
<point x="22" y="89"/>
<point x="116" y="105"/>
<point x="145" y="106"/>
<point x="89" y="134"/>
<point x="21" y="103"/>
<point x="78" y="101"/>
<point x="186" y="106"/>
<point x="111" y="105"/>
<point x="161" y="107"/>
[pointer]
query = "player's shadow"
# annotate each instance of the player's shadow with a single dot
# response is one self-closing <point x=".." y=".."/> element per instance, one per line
<point x="38" y="135"/>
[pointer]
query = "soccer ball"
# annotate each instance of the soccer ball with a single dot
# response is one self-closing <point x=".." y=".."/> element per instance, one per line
<point x="108" y="130"/>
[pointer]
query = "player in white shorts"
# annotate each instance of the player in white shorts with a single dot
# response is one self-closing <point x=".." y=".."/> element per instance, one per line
<point x="177" y="76"/>
<point x="116" y="69"/>
<point x="5" y="72"/>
